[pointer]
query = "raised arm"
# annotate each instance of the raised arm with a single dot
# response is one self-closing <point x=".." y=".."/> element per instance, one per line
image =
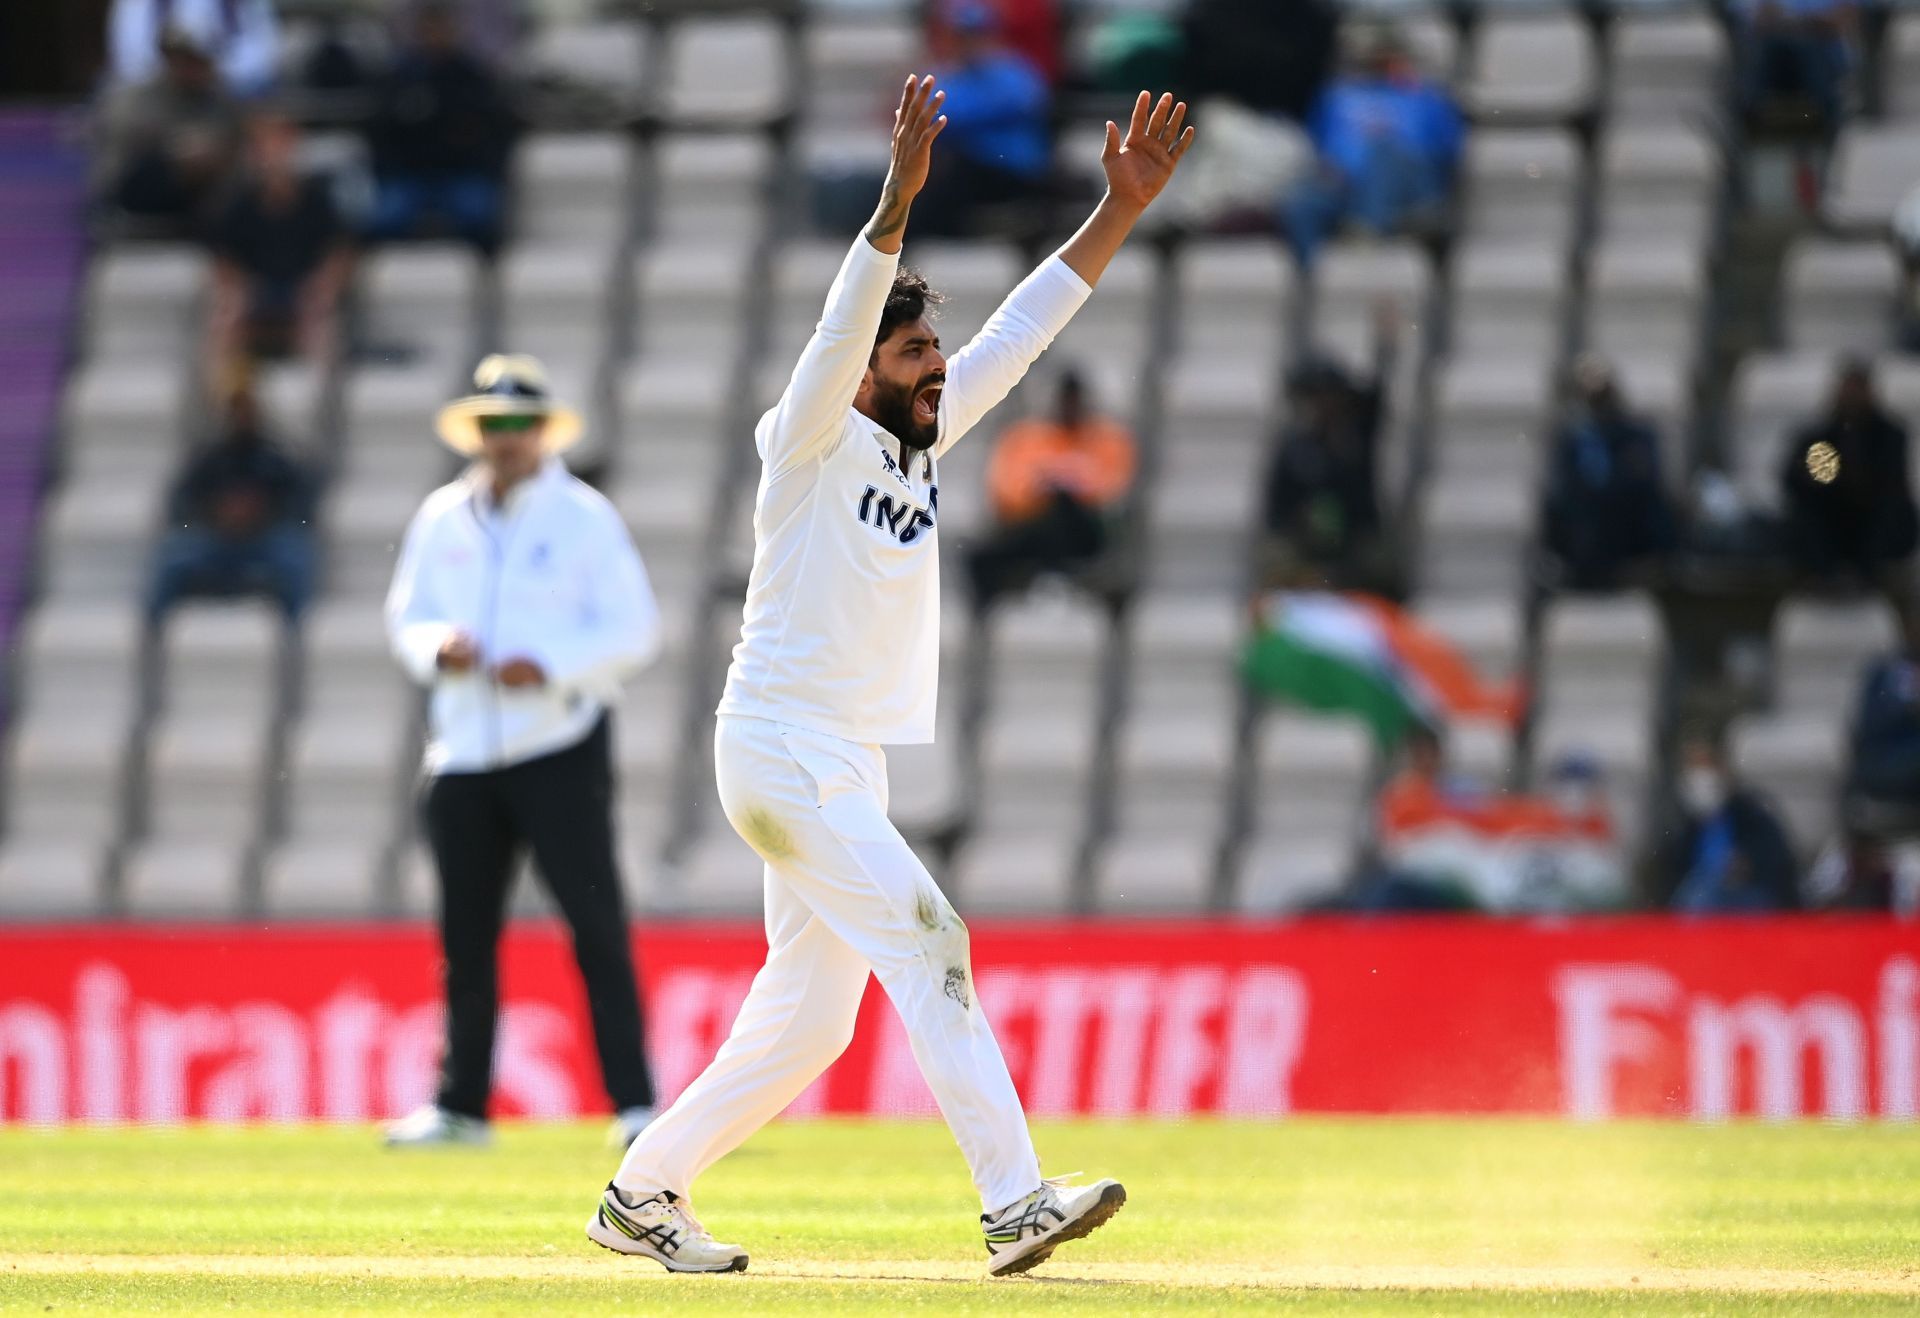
<point x="810" y="413"/>
<point x="1137" y="167"/>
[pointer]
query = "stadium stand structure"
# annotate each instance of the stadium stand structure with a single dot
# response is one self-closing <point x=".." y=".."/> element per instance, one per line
<point x="1090" y="759"/>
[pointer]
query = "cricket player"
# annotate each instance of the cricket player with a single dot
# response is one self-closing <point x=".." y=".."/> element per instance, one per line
<point x="838" y="657"/>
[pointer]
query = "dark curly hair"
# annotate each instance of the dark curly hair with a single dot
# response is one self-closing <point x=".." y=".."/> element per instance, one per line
<point x="910" y="298"/>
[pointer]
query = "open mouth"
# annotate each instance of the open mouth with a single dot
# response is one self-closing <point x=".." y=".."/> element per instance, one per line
<point x="926" y="404"/>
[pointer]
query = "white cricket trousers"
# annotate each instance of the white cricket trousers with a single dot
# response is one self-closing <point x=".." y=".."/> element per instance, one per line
<point x="845" y="895"/>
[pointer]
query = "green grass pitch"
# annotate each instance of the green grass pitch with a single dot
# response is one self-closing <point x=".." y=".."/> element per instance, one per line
<point x="1399" y="1217"/>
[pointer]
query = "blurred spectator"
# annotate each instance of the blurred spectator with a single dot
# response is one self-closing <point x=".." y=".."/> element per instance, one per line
<point x="281" y="255"/>
<point x="1729" y="853"/>
<point x="1029" y="28"/>
<point x="1859" y="872"/>
<point x="1267" y="56"/>
<point x="1447" y="843"/>
<point x="1388" y="141"/>
<point x="997" y="146"/>
<point x="1322" y="504"/>
<point x="1793" y="54"/>
<point x="1607" y="515"/>
<point x="1055" y="486"/>
<point x="241" y="37"/>
<point x="168" y="143"/>
<point x="1882" y="792"/>
<point x="1849" y="503"/>
<point x="440" y="138"/>
<point x="241" y="521"/>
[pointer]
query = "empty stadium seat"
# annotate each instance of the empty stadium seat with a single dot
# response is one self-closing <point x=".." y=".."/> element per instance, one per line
<point x="855" y="65"/>
<point x="1667" y="66"/>
<point x="713" y="189"/>
<point x="1530" y="68"/>
<point x="1149" y="873"/>
<point x="1014" y="874"/>
<point x="691" y="302"/>
<point x="1659" y="181"/>
<point x="184" y="880"/>
<point x="1510" y="297"/>
<point x="420" y="303"/>
<point x="1235" y="299"/>
<point x="1821" y="650"/>
<point x="1873" y="169"/>
<point x="1602" y="669"/>
<point x="718" y="875"/>
<point x="51" y="879"/>
<point x="1840" y="297"/>
<point x="341" y="877"/>
<point x="572" y="189"/>
<point x="726" y="71"/>
<point x="125" y="421"/>
<point x="1646" y="297"/>
<point x="144" y="302"/>
<point x="1219" y="419"/>
<point x="1522" y="184"/>
<point x="611" y="57"/>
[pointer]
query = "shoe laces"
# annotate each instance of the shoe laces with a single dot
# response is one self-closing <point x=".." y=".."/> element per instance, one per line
<point x="679" y="1208"/>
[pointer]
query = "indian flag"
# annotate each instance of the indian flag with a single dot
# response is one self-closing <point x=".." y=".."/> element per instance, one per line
<point x="1363" y="655"/>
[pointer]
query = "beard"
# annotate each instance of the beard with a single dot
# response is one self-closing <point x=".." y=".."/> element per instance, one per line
<point x="893" y="408"/>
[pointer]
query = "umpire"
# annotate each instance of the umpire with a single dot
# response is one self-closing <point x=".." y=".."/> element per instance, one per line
<point x="521" y="601"/>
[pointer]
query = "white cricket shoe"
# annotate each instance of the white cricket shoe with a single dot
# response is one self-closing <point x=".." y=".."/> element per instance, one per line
<point x="628" y="1122"/>
<point x="433" y="1125"/>
<point x="663" y="1229"/>
<point x="1024" y="1233"/>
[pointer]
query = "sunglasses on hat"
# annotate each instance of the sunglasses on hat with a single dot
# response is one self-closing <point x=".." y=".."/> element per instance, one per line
<point x="508" y="424"/>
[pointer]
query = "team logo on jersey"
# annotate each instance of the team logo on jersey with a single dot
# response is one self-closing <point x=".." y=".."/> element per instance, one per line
<point x="899" y="517"/>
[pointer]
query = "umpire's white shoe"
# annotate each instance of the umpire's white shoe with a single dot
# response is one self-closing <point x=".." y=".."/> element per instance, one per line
<point x="433" y="1126"/>
<point x="1023" y="1234"/>
<point x="663" y="1229"/>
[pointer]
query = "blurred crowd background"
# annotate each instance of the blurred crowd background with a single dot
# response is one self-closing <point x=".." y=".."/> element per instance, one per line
<point x="1484" y="486"/>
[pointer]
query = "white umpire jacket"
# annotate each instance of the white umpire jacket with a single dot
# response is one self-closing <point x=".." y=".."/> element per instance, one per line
<point x="551" y="575"/>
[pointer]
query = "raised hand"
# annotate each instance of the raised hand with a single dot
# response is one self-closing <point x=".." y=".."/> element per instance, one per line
<point x="1139" y="165"/>
<point x="916" y="123"/>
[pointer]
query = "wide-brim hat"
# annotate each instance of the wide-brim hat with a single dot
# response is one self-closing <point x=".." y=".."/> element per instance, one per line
<point x="507" y="384"/>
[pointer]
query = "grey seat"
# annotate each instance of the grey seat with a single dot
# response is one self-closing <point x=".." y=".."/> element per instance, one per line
<point x="51" y="879"/>
<point x="713" y="189"/>
<point x="1509" y="296"/>
<point x="1537" y="68"/>
<point x="1840" y="296"/>
<point x="1659" y="181"/>
<point x="1667" y="66"/>
<point x="1873" y="169"/>
<point x="1522" y="185"/>
<point x="1645" y="296"/>
<point x="731" y="71"/>
<point x="183" y="880"/>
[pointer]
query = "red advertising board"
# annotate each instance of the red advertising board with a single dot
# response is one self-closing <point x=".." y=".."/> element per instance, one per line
<point x="1778" y="1018"/>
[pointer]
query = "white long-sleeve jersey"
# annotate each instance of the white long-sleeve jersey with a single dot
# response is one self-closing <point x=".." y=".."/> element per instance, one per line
<point x="842" y="626"/>
<point x="549" y="575"/>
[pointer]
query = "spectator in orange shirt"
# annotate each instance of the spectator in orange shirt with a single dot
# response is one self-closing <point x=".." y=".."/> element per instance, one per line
<point x="1054" y="485"/>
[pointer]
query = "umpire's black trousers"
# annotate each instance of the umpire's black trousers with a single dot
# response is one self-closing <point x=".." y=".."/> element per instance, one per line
<point x="479" y="824"/>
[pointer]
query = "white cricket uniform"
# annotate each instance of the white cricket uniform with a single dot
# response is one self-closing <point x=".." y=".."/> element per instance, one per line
<point x="839" y="654"/>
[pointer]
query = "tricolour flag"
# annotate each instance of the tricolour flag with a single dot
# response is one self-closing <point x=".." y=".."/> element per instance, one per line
<point x="1363" y="655"/>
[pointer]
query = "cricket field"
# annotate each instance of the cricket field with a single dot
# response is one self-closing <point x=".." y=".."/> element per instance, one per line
<point x="851" y="1218"/>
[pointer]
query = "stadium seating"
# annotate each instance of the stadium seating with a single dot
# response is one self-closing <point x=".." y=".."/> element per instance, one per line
<point x="1088" y="761"/>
